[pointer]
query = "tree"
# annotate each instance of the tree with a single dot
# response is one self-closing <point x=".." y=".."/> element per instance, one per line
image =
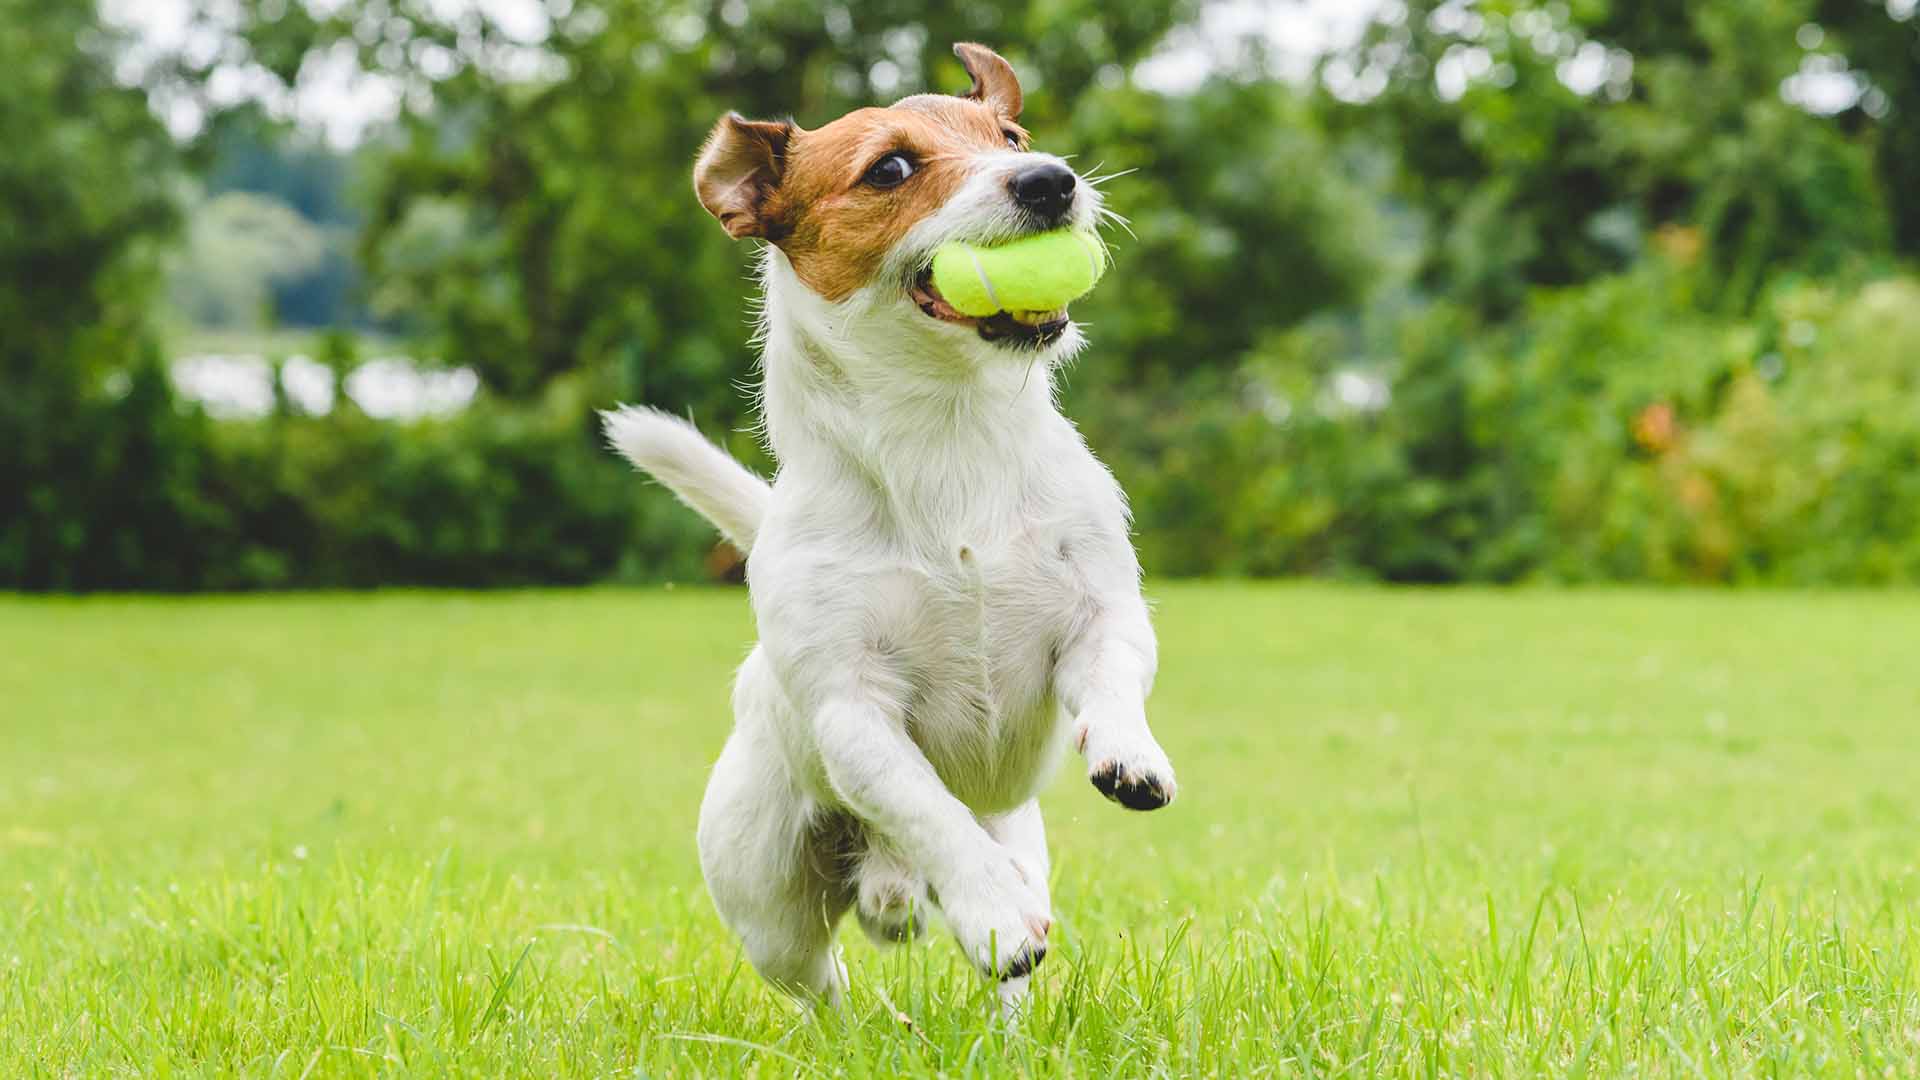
<point x="1245" y="219"/>
<point x="1881" y="42"/>
<point x="89" y="445"/>
<point x="562" y="163"/>
<point x="1545" y="140"/>
<point x="83" y="192"/>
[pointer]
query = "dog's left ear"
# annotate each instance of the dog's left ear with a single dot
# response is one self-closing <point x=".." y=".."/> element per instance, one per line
<point x="994" y="82"/>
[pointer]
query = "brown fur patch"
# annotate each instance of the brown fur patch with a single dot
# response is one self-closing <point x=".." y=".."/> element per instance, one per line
<point x="837" y="229"/>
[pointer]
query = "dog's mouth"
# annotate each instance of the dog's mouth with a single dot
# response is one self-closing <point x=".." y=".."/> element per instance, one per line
<point x="1017" y="328"/>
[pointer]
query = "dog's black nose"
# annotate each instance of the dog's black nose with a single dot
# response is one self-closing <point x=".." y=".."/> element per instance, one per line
<point x="1046" y="190"/>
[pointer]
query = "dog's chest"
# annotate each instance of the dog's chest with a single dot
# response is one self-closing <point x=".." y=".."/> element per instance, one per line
<point x="984" y="633"/>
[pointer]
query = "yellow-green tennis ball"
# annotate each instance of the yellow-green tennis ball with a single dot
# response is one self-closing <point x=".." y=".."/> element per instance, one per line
<point x="1042" y="272"/>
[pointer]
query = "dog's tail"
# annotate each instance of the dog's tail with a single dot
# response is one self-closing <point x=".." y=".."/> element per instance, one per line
<point x="698" y="473"/>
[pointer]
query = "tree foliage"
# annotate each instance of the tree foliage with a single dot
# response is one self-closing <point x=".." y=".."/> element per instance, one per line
<point x="1582" y="289"/>
<point x="575" y="244"/>
<point x="86" y="422"/>
<point x="1533" y="182"/>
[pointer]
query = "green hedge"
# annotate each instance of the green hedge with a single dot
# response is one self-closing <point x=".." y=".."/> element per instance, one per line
<point x="141" y="492"/>
<point x="1614" y="431"/>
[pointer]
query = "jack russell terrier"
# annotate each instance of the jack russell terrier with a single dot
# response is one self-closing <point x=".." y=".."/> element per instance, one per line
<point x="941" y="573"/>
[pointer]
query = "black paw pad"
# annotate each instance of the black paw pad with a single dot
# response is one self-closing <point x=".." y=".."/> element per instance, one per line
<point x="1024" y="961"/>
<point x="1133" y="792"/>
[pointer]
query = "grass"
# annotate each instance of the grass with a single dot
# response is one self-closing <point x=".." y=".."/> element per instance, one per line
<point x="1419" y="834"/>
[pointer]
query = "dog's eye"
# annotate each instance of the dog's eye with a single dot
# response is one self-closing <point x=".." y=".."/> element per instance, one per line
<point x="890" y="171"/>
<point x="1013" y="139"/>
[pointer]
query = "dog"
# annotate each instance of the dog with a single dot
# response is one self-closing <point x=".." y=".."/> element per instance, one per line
<point x="945" y="589"/>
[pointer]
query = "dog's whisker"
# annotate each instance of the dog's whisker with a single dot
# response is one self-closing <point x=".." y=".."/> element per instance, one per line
<point x="1024" y="380"/>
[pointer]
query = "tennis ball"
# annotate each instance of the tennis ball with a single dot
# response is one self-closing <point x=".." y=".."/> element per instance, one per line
<point x="1041" y="272"/>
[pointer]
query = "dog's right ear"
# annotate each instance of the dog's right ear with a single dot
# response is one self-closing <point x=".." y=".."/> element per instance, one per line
<point x="738" y="170"/>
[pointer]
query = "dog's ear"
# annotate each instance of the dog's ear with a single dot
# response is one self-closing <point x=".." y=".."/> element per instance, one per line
<point x="738" y="170"/>
<point x="994" y="82"/>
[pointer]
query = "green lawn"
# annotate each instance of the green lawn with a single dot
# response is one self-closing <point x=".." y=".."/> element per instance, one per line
<point x="1419" y="833"/>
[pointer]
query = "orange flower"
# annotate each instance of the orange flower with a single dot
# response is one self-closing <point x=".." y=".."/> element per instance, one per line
<point x="1656" y="428"/>
<point x="1681" y="243"/>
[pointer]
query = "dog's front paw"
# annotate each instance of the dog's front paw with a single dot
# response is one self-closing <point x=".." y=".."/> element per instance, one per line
<point x="998" y="916"/>
<point x="1133" y="772"/>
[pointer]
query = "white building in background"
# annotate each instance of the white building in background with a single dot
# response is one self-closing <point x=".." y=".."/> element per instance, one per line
<point x="240" y="387"/>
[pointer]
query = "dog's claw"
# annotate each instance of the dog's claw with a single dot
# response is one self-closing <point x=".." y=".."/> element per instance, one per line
<point x="1144" y="792"/>
<point x="1024" y="961"/>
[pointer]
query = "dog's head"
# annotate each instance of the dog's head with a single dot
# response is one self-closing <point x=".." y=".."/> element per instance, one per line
<point x="858" y="206"/>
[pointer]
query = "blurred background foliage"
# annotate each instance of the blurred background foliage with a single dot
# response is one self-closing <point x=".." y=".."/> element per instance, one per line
<point x="1496" y="291"/>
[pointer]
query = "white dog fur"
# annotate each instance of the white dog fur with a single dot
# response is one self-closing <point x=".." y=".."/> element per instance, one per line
<point x="946" y="599"/>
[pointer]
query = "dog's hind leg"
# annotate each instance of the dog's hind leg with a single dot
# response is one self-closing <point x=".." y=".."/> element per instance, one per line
<point x="776" y="867"/>
<point x="892" y="899"/>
